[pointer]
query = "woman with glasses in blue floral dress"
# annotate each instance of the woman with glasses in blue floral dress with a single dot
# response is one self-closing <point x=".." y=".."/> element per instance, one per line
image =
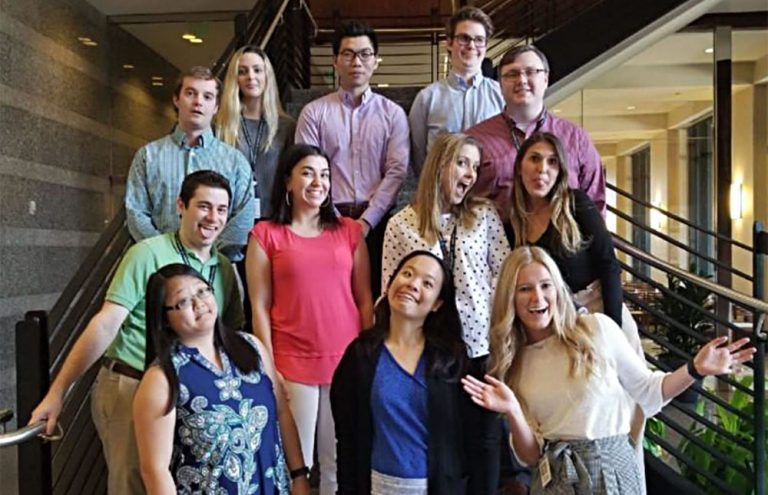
<point x="209" y="416"/>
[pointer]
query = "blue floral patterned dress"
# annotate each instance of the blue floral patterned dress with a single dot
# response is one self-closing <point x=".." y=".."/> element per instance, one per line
<point x="227" y="439"/>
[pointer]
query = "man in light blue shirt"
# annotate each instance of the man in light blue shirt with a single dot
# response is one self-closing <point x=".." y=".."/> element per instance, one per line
<point x="465" y="97"/>
<point x="159" y="168"/>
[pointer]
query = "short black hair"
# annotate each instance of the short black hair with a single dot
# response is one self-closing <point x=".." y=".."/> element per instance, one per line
<point x="203" y="178"/>
<point x="281" y="210"/>
<point x="353" y="29"/>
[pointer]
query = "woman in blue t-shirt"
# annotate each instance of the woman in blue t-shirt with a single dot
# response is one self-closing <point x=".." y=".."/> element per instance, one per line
<point x="395" y="395"/>
<point x="207" y="416"/>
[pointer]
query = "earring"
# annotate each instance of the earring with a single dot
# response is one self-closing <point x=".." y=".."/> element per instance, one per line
<point x="288" y="198"/>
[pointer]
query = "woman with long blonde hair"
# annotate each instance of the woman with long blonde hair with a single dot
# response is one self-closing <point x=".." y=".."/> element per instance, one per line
<point x="252" y="119"/>
<point x="446" y="219"/>
<point x="563" y="381"/>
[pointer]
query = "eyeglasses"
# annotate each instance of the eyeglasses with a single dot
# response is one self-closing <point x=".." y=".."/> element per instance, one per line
<point x="186" y="303"/>
<point x="465" y="40"/>
<point x="364" y="55"/>
<point x="514" y="74"/>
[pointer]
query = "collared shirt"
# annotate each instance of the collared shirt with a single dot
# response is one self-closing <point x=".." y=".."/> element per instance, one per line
<point x="154" y="183"/>
<point x="368" y="147"/>
<point x="496" y="172"/>
<point x="450" y="105"/>
<point x="129" y="286"/>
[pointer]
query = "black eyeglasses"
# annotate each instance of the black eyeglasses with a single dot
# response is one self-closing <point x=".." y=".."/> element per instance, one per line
<point x="515" y="74"/>
<point x="186" y="303"/>
<point x="465" y="40"/>
<point x="364" y="55"/>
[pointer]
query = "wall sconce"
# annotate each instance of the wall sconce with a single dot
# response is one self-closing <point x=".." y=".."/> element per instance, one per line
<point x="737" y="206"/>
<point x="657" y="217"/>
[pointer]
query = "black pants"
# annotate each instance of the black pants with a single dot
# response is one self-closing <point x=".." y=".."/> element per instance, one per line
<point x="484" y="447"/>
<point x="375" y="243"/>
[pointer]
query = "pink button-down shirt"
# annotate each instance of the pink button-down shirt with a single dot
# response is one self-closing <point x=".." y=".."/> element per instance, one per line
<point x="368" y="146"/>
<point x="497" y="167"/>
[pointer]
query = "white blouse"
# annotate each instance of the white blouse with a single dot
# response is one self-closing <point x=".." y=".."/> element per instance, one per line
<point x="478" y="255"/>
<point x="561" y="407"/>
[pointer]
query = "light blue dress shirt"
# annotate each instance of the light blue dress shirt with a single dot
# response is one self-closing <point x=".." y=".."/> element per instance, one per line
<point x="154" y="183"/>
<point x="450" y="105"/>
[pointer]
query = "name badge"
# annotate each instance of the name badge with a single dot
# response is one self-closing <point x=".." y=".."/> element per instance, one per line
<point x="545" y="475"/>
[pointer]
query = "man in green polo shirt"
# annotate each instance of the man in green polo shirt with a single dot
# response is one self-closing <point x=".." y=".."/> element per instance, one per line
<point x="119" y="327"/>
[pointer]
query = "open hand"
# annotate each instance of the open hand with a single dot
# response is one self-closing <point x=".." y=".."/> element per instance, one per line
<point x="716" y="359"/>
<point x="492" y="394"/>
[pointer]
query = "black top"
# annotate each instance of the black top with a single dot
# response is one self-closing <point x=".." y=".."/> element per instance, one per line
<point x="596" y="261"/>
<point x="447" y="433"/>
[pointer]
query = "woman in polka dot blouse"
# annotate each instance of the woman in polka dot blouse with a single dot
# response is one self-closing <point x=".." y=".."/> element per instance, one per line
<point x="446" y="219"/>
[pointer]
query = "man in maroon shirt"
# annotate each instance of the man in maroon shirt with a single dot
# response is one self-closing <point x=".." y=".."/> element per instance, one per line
<point x="524" y="76"/>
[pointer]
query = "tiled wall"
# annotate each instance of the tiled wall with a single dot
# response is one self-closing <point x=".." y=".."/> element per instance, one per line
<point x="71" y="118"/>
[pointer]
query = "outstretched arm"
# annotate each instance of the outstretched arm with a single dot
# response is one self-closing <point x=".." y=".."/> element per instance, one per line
<point x="496" y="396"/>
<point x="712" y="359"/>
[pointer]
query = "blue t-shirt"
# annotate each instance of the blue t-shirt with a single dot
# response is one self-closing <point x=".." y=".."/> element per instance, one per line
<point x="399" y="410"/>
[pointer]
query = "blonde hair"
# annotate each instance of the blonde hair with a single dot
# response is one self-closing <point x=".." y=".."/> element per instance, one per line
<point x="508" y="336"/>
<point x="559" y="196"/>
<point x="428" y="200"/>
<point x="229" y="117"/>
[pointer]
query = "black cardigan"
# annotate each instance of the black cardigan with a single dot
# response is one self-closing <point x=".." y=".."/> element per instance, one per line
<point x="351" y="405"/>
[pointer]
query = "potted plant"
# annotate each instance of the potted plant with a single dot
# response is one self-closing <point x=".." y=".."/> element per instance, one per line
<point x="738" y="428"/>
<point x="687" y="316"/>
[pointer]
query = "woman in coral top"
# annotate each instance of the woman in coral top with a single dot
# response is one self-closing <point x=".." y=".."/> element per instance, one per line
<point x="308" y="279"/>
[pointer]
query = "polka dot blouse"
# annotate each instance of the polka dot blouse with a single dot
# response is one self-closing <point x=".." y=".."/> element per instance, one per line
<point x="479" y="252"/>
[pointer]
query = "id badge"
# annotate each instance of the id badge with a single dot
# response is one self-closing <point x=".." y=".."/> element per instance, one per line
<point x="545" y="475"/>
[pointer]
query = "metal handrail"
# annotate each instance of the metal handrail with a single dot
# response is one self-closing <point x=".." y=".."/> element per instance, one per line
<point x="23" y="434"/>
<point x="678" y="218"/>
<point x="719" y="290"/>
<point x="273" y="25"/>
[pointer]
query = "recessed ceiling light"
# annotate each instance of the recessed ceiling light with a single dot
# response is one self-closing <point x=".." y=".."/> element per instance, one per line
<point x="82" y="39"/>
<point x="383" y="85"/>
<point x="157" y="78"/>
<point x="196" y="40"/>
<point x="709" y="50"/>
<point x="631" y="107"/>
<point x="188" y="36"/>
<point x="556" y="110"/>
<point x="128" y="66"/>
<point x="157" y="83"/>
<point x="90" y="43"/>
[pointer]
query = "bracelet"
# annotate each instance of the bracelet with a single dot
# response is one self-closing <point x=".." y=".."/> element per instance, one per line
<point x="302" y="471"/>
<point x="693" y="371"/>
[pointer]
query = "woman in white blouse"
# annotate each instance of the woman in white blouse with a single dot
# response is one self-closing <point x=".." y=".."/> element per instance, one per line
<point x="465" y="231"/>
<point x="566" y="381"/>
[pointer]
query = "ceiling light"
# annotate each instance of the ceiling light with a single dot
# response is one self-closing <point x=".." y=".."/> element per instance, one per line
<point x="90" y="43"/>
<point x="709" y="50"/>
<point x="631" y="107"/>
<point x="128" y="66"/>
<point x="383" y="85"/>
<point x="157" y="78"/>
<point x="82" y="39"/>
<point x="188" y="36"/>
<point x="196" y="40"/>
<point x="157" y="83"/>
<point x="556" y="110"/>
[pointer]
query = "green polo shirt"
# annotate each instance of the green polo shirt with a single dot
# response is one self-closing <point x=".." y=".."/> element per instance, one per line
<point x="128" y="289"/>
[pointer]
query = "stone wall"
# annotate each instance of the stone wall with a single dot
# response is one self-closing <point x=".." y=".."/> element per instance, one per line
<point x="71" y="118"/>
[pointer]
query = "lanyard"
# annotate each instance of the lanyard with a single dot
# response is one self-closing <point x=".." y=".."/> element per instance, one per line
<point x="513" y="128"/>
<point x="254" y="145"/>
<point x="185" y="258"/>
<point x="449" y="256"/>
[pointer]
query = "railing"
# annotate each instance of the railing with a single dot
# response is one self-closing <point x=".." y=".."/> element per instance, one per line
<point x="718" y="441"/>
<point x="44" y="339"/>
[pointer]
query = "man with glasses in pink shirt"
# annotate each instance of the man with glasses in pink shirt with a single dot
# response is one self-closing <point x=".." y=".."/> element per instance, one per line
<point x="364" y="134"/>
<point x="524" y="76"/>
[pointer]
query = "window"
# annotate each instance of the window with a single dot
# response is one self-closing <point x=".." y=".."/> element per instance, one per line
<point x="701" y="183"/>
<point x="641" y="190"/>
